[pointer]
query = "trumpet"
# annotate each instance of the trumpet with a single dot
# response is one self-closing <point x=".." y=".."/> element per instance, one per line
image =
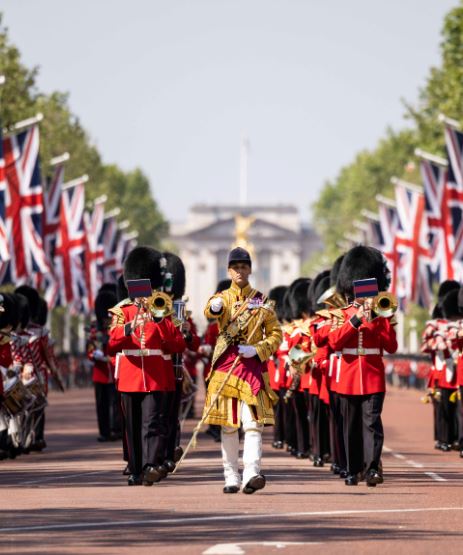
<point x="384" y="304"/>
<point x="298" y="357"/>
<point x="159" y="304"/>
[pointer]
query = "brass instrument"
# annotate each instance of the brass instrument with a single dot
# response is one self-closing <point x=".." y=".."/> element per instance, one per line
<point x="298" y="357"/>
<point x="332" y="298"/>
<point x="159" y="304"/>
<point x="385" y="304"/>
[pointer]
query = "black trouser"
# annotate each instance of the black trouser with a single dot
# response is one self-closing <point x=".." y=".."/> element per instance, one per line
<point x="301" y="421"/>
<point x="106" y="407"/>
<point x="363" y="430"/>
<point x="320" y="427"/>
<point x="336" y="432"/>
<point x="40" y="425"/>
<point x="290" y="424"/>
<point x="173" y="437"/>
<point x="460" y="418"/>
<point x="447" y="417"/>
<point x="145" y="416"/>
<point x="279" y="428"/>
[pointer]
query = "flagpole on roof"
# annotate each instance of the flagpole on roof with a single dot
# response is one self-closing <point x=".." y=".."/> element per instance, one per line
<point x="449" y="121"/>
<point x="431" y="157"/>
<point x="60" y="159"/>
<point x="24" y="124"/>
<point x="385" y="200"/>
<point x="77" y="181"/>
<point x="100" y="199"/>
<point x="369" y="215"/>
<point x="406" y="184"/>
<point x="124" y="224"/>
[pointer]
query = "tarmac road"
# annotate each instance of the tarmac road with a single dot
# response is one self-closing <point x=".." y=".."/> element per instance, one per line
<point x="73" y="498"/>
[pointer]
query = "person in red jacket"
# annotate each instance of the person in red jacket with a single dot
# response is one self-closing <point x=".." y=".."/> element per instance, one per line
<point x="143" y="344"/>
<point x="103" y="369"/>
<point x="359" y="344"/>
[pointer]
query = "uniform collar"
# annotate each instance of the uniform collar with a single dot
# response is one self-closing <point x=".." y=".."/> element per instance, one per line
<point x="241" y="292"/>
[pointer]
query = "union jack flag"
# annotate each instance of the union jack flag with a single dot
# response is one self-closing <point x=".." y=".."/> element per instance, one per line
<point x="51" y="224"/>
<point x="110" y="242"/>
<point x="374" y="231"/>
<point x="94" y="252"/>
<point x="24" y="205"/>
<point x="389" y="225"/>
<point x="438" y="197"/>
<point x="4" y="250"/>
<point x="454" y="143"/>
<point x="414" y="278"/>
<point x="70" y="246"/>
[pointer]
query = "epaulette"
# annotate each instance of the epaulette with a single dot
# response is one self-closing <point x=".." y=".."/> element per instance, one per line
<point x="324" y="313"/>
<point x="337" y="313"/>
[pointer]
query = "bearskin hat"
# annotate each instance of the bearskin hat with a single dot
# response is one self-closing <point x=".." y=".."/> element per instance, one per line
<point x="108" y="287"/>
<point x="299" y="298"/>
<point x="449" y="305"/>
<point x="42" y="313"/>
<point x="437" y="312"/>
<point x="223" y="284"/>
<point x="33" y="298"/>
<point x="322" y="286"/>
<point x="361" y="263"/>
<point x="103" y="302"/>
<point x="460" y="299"/>
<point x="445" y="287"/>
<point x="314" y="286"/>
<point x="144" y="263"/>
<point x="9" y="316"/>
<point x="335" y="270"/>
<point x="121" y="289"/>
<point x="277" y="294"/>
<point x="22" y="306"/>
<point x="175" y="267"/>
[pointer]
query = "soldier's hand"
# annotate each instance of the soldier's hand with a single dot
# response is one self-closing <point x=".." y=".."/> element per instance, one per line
<point x="216" y="304"/>
<point x="247" y="351"/>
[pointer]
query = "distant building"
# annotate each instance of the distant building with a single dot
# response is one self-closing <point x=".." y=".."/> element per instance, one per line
<point x="280" y="243"/>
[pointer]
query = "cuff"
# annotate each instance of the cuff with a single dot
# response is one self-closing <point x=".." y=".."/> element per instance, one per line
<point x="355" y="321"/>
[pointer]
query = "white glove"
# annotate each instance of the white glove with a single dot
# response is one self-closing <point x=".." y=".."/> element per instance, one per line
<point x="247" y="351"/>
<point x="205" y="350"/>
<point x="98" y="355"/>
<point x="216" y="304"/>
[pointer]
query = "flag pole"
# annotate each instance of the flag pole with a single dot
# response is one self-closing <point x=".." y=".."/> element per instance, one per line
<point x="24" y="124"/>
<point x="77" y="181"/>
<point x="442" y="118"/>
<point x="431" y="157"/>
<point x="60" y="159"/>
<point x="407" y="185"/>
<point x="386" y="200"/>
<point x="112" y="213"/>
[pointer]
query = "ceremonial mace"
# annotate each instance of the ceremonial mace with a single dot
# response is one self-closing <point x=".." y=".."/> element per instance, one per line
<point x="197" y="429"/>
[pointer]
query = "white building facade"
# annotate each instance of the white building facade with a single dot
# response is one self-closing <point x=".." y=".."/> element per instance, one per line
<point x="279" y="241"/>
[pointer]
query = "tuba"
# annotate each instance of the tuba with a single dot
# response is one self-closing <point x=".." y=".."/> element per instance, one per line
<point x="384" y="304"/>
<point x="332" y="298"/>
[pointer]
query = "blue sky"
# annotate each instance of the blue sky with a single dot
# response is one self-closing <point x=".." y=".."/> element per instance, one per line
<point x="171" y="86"/>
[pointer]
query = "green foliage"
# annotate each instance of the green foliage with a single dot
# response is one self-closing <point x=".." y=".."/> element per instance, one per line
<point x="61" y="131"/>
<point x="341" y="200"/>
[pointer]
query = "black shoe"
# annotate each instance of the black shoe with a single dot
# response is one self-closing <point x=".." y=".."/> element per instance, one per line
<point x="445" y="447"/>
<point x="115" y="436"/>
<point x="351" y="480"/>
<point x="461" y="453"/>
<point x="231" y="489"/>
<point x="318" y="462"/>
<point x="134" y="480"/>
<point x="293" y="452"/>
<point x="169" y="465"/>
<point x="343" y="473"/>
<point x="163" y="470"/>
<point x="373" y="478"/>
<point x="38" y="445"/>
<point x="277" y="445"/>
<point x="289" y="448"/>
<point x="178" y="452"/>
<point x="151" y="475"/>
<point x="255" y="483"/>
<point x="102" y="439"/>
<point x="126" y="471"/>
<point x="438" y="445"/>
<point x="335" y="468"/>
<point x="3" y="454"/>
<point x="302" y="455"/>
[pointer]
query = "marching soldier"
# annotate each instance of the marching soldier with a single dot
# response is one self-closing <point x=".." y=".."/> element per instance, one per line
<point x="360" y="376"/>
<point x="143" y="339"/>
<point x="238" y="390"/>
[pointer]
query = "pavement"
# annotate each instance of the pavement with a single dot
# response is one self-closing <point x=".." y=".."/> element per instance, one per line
<point x="72" y="498"/>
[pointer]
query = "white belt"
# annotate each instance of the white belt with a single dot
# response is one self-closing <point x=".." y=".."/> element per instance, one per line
<point x="361" y="352"/>
<point x="145" y="353"/>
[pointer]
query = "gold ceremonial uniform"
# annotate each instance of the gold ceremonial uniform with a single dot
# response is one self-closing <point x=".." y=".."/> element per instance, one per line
<point x="266" y="339"/>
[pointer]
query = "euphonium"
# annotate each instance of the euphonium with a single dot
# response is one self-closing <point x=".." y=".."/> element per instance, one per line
<point x="332" y="298"/>
<point x="384" y="304"/>
<point x="159" y="304"/>
<point x="298" y="357"/>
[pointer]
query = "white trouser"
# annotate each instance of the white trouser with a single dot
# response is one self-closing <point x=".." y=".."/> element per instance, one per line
<point x="252" y="452"/>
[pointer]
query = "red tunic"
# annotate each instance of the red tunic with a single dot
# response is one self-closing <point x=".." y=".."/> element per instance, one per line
<point x="359" y="367"/>
<point x="145" y="370"/>
<point x="191" y="356"/>
<point x="210" y="339"/>
<point x="97" y="353"/>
